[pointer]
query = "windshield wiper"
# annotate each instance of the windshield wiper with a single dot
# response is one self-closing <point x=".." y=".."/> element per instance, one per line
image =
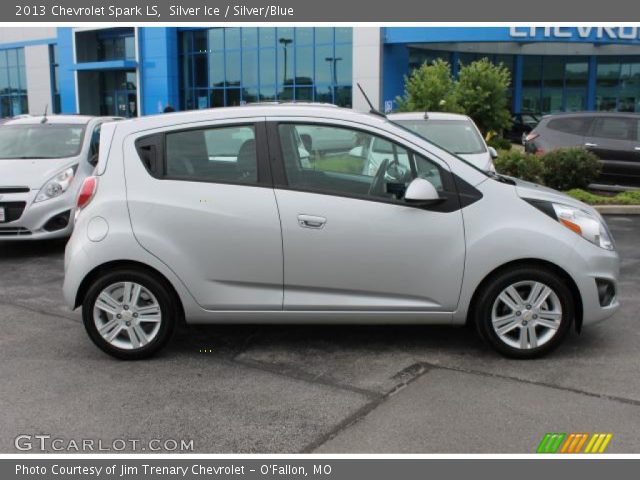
<point x="500" y="178"/>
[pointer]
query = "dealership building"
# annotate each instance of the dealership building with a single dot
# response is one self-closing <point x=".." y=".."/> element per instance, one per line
<point x="129" y="71"/>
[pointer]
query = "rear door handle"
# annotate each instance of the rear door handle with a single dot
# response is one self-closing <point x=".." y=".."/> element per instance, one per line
<point x="590" y="144"/>
<point x="311" y="221"/>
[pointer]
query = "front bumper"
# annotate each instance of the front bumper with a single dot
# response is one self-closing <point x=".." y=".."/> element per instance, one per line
<point x="36" y="222"/>
<point x="596" y="266"/>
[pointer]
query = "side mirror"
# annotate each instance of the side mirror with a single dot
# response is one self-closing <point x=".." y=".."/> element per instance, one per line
<point x="422" y="192"/>
<point x="493" y="153"/>
<point x="357" y="151"/>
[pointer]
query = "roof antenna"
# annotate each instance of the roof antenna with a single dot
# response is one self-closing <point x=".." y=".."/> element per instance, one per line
<point x="373" y="110"/>
<point x="44" y="115"/>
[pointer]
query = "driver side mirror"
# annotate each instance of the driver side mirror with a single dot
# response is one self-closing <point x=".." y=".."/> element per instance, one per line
<point x="422" y="192"/>
<point x="493" y="153"/>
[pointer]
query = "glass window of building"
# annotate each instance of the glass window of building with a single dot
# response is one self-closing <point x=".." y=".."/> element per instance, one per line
<point x="106" y="45"/>
<point x="232" y="66"/>
<point x="554" y="83"/>
<point x="618" y="84"/>
<point x="418" y="56"/>
<point x="13" y="83"/>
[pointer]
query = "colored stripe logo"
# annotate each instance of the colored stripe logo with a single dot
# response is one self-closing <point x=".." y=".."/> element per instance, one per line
<point x="574" y="443"/>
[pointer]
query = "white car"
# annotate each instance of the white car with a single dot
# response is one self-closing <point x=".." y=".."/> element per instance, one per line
<point x="451" y="131"/>
<point x="43" y="162"/>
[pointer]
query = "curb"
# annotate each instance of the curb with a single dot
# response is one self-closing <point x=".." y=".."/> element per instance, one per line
<point x="618" y="209"/>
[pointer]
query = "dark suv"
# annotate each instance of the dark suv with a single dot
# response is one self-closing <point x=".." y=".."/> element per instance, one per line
<point x="614" y="137"/>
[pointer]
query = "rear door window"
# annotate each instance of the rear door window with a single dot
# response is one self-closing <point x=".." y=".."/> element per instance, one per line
<point x="220" y="154"/>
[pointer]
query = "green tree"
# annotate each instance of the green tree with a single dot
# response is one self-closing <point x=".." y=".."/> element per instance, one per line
<point x="481" y="93"/>
<point x="429" y="88"/>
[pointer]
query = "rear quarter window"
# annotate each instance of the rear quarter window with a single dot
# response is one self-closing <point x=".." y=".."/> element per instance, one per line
<point x="614" y="128"/>
<point x="571" y="125"/>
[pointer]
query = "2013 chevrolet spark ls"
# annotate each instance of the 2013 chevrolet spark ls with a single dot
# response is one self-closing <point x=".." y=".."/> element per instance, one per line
<point x="264" y="214"/>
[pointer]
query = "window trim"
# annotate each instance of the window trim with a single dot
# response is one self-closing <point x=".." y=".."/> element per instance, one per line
<point x="451" y="201"/>
<point x="262" y="155"/>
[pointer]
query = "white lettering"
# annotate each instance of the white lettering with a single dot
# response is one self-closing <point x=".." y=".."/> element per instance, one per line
<point x="516" y="33"/>
<point x="561" y="32"/>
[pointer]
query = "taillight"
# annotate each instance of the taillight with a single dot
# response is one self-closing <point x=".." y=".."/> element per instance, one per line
<point x="532" y="136"/>
<point x="87" y="191"/>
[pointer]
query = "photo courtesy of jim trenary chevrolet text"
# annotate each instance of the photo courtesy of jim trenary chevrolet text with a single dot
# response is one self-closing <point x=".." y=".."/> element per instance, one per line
<point x="326" y="240"/>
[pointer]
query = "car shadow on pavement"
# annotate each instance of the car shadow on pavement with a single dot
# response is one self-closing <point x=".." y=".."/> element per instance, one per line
<point x="11" y="249"/>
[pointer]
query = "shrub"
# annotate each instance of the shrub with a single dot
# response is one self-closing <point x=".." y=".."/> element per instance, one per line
<point x="481" y="92"/>
<point x="429" y="88"/>
<point x="569" y="168"/>
<point x="520" y="165"/>
<point x="500" y="143"/>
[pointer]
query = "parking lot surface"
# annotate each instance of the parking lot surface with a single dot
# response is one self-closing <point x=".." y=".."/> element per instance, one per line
<point x="330" y="389"/>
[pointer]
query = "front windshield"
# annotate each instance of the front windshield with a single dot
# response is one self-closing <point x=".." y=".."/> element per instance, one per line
<point x="456" y="136"/>
<point x="42" y="140"/>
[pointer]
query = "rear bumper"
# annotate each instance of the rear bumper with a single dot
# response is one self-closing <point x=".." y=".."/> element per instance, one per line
<point x="39" y="221"/>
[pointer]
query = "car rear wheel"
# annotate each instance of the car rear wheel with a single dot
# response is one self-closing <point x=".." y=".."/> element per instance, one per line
<point x="524" y="312"/>
<point x="129" y="314"/>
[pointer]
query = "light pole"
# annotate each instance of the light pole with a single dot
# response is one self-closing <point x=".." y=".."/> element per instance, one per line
<point x="333" y="65"/>
<point x="285" y="43"/>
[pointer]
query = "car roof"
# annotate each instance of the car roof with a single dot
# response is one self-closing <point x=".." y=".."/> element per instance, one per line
<point x="316" y="110"/>
<point x="591" y="114"/>
<point x="427" y="115"/>
<point x="52" y="119"/>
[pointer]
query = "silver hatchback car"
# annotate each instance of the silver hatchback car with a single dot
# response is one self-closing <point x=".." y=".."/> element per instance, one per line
<point x="43" y="162"/>
<point x="265" y="214"/>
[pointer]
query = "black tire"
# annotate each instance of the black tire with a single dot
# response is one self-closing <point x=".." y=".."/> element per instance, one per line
<point x="157" y="286"/>
<point x="493" y="288"/>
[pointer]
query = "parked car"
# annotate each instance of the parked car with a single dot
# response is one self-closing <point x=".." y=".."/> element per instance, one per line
<point x="613" y="137"/>
<point x="290" y="228"/>
<point x="451" y="131"/>
<point x="43" y="162"/>
<point x="521" y="126"/>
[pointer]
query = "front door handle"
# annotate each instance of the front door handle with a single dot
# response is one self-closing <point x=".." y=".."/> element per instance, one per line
<point x="311" y="221"/>
<point x="589" y="145"/>
<point x="637" y="148"/>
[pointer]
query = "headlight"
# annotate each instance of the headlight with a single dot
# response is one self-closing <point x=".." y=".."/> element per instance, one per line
<point x="585" y="224"/>
<point x="57" y="185"/>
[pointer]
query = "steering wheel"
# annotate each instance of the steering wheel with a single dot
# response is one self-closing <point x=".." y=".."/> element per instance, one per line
<point x="378" y="181"/>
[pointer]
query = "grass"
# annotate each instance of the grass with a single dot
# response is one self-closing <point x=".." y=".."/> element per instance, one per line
<point x="342" y="164"/>
<point x="624" y="198"/>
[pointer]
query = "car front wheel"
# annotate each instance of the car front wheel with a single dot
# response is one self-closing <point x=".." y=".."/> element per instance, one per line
<point x="525" y="312"/>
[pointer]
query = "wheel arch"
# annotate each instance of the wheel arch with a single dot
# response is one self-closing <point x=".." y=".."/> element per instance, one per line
<point x="117" y="264"/>
<point x="532" y="262"/>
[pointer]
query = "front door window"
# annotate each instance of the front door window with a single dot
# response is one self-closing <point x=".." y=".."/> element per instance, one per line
<point x="346" y="161"/>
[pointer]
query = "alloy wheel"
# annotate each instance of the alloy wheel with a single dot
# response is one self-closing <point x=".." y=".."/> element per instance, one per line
<point x="526" y="315"/>
<point x="127" y="315"/>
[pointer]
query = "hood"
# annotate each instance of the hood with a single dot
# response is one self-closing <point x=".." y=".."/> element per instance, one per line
<point x="480" y="160"/>
<point x="538" y="192"/>
<point x="32" y="173"/>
